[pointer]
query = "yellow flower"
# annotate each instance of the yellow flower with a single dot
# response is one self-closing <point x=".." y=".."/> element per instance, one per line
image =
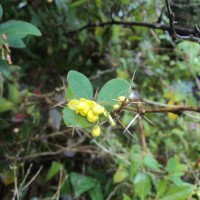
<point x="119" y="103"/>
<point x="96" y="131"/>
<point x="87" y="108"/>
<point x="116" y="106"/>
<point x="91" y="117"/>
<point x="82" y="108"/>
<point x="73" y="104"/>
<point x="98" y="109"/>
<point x="122" y="98"/>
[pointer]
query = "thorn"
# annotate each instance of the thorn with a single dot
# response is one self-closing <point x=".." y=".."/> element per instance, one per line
<point x="131" y="122"/>
<point x="148" y="120"/>
<point x="128" y="131"/>
<point x="132" y="136"/>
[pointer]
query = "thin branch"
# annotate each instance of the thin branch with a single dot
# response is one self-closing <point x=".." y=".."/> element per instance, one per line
<point x="174" y="33"/>
<point x="33" y="178"/>
<point x="176" y="110"/>
<point x="143" y="138"/>
<point x="183" y="30"/>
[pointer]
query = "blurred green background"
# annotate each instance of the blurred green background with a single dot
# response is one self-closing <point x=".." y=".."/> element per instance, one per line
<point x="40" y="158"/>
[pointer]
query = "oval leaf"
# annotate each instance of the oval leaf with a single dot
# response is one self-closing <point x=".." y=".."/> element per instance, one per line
<point x="5" y="105"/>
<point x="4" y="68"/>
<point x="80" y="85"/>
<point x="81" y="183"/>
<point x="142" y="185"/>
<point x="120" y="175"/>
<point x="71" y="119"/>
<point x="112" y="90"/>
<point x="54" y="169"/>
<point x="15" y="42"/>
<point x="178" y="193"/>
<point x="19" y="29"/>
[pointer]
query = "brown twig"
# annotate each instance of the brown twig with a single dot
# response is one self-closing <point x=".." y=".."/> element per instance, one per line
<point x="163" y="27"/>
<point x="176" y="110"/>
<point x="192" y="32"/>
<point x="143" y="138"/>
<point x="191" y="37"/>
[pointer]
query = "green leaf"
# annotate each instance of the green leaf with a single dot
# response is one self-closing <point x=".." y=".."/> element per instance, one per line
<point x="161" y="187"/>
<point x="15" y="42"/>
<point x="4" y="68"/>
<point x="142" y="185"/>
<point x="78" y="3"/>
<point x="81" y="183"/>
<point x="71" y="119"/>
<point x="55" y="168"/>
<point x="80" y="85"/>
<point x="151" y="162"/>
<point x="1" y="12"/>
<point x="120" y="175"/>
<point x="96" y="193"/>
<point x="175" y="168"/>
<point x="13" y="94"/>
<point x="177" y="180"/>
<point x="69" y="94"/>
<point x="178" y="193"/>
<point x="5" y="105"/>
<point x="126" y="197"/>
<point x="19" y="29"/>
<point x="112" y="90"/>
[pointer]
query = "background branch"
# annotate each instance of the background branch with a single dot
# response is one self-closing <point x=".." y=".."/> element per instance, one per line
<point x="194" y="34"/>
<point x="191" y="37"/>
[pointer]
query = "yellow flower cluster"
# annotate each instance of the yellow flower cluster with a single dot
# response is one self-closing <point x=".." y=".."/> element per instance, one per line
<point x="120" y="100"/>
<point x="91" y="110"/>
<point x="87" y="108"/>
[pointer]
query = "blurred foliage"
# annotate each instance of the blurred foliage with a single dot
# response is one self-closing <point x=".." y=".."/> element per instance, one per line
<point x="40" y="158"/>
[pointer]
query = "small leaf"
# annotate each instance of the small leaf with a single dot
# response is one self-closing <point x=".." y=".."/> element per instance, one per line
<point x="178" y="193"/>
<point x="13" y="94"/>
<point x="151" y="162"/>
<point x="7" y="176"/>
<point x="1" y="12"/>
<point x="142" y="185"/>
<point x="55" y="168"/>
<point x="19" y="29"/>
<point x="80" y="85"/>
<point x="71" y="119"/>
<point x="4" y="68"/>
<point x="126" y="197"/>
<point x="5" y="105"/>
<point x="112" y="90"/>
<point x="175" y="168"/>
<point x="120" y="175"/>
<point x="161" y="187"/>
<point x="96" y="193"/>
<point x="81" y="183"/>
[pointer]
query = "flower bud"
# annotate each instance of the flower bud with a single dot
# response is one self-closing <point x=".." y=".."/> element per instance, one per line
<point x="96" y="131"/>
<point x="122" y="98"/>
<point x="116" y="106"/>
<point x="91" y="117"/>
<point x="111" y="120"/>
<point x="73" y="104"/>
<point x="98" y="109"/>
